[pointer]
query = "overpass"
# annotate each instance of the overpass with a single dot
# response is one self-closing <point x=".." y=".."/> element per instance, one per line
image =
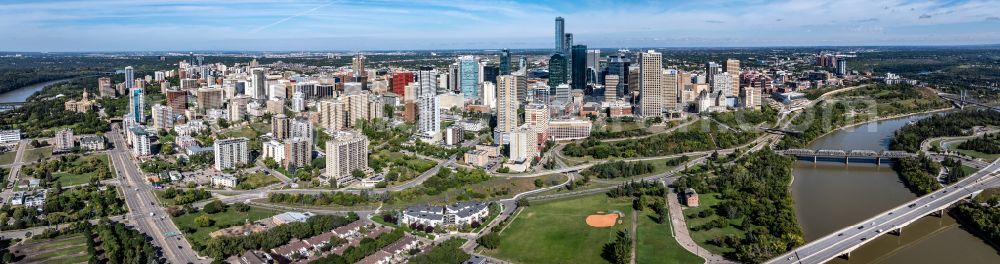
<point x="846" y="155"/>
<point x="847" y="239"/>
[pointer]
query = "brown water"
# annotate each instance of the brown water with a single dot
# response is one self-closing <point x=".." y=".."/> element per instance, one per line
<point x="832" y="195"/>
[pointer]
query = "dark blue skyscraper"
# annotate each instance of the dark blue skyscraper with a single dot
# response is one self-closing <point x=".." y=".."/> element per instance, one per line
<point x="504" y="62"/>
<point x="579" y="67"/>
<point x="557" y="70"/>
<point x="560" y="27"/>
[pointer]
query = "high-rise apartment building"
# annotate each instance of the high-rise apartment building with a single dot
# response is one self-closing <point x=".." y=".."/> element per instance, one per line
<point x="129" y="77"/>
<point x="399" y="81"/>
<point x="651" y="89"/>
<point x="428" y="105"/>
<point x="507" y="104"/>
<point x="671" y="90"/>
<point x="711" y="70"/>
<point x="104" y="87"/>
<point x="536" y="116"/>
<point x="209" y="98"/>
<point x="259" y="82"/>
<point x="137" y="105"/>
<point x="522" y="144"/>
<point x="298" y="153"/>
<point x="176" y="99"/>
<point x="140" y="141"/>
<point x="163" y="117"/>
<point x="733" y="69"/>
<point x="332" y="115"/>
<point x="469" y="77"/>
<point x="280" y="126"/>
<point x="64" y="141"/>
<point x="231" y="153"/>
<point x="358" y="65"/>
<point x="300" y="127"/>
<point x="347" y="151"/>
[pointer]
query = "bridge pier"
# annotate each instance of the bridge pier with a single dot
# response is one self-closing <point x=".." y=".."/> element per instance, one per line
<point x="898" y="231"/>
<point x="847" y="160"/>
<point x="878" y="161"/>
<point x="814" y="159"/>
<point x="846" y="256"/>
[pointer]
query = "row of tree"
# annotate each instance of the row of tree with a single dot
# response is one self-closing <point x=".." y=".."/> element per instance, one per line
<point x="618" y="169"/>
<point x="321" y="199"/>
<point x="700" y="136"/>
<point x="182" y="196"/>
<point x="952" y="124"/>
<point x="989" y="144"/>
<point x="118" y="244"/>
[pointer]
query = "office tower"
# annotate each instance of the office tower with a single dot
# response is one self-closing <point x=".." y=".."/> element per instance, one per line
<point x="453" y="76"/>
<point x="298" y="153"/>
<point x="522" y="144"/>
<point x="259" y="83"/>
<point x="560" y="30"/>
<point x="712" y="69"/>
<point x="489" y="95"/>
<point x="842" y="67"/>
<point x="536" y="116"/>
<point x="358" y="65"/>
<point x="504" y="63"/>
<point x="490" y="73"/>
<point x="469" y="77"/>
<point x="594" y="59"/>
<point x="140" y="141"/>
<point x="104" y="88"/>
<point x="238" y="108"/>
<point x="279" y="126"/>
<point x="722" y="84"/>
<point x="610" y="87"/>
<point x="163" y="117"/>
<point x="346" y="152"/>
<point x="231" y="153"/>
<point x="138" y="105"/>
<point x="428" y="104"/>
<point x="579" y="67"/>
<point x="671" y="88"/>
<point x="567" y="44"/>
<point x="562" y="93"/>
<point x="619" y="64"/>
<point x="399" y="81"/>
<point x="557" y="70"/>
<point x="651" y="90"/>
<point x="298" y="101"/>
<point x="507" y="104"/>
<point x="300" y="127"/>
<point x="540" y="95"/>
<point x="733" y="68"/>
<point x="129" y="78"/>
<point x="522" y="64"/>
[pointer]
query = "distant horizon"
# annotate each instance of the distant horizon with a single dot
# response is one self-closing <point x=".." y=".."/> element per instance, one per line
<point x="352" y="25"/>
<point x="635" y="48"/>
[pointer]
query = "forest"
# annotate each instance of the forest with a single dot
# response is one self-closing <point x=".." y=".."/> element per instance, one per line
<point x="448" y="251"/>
<point x="755" y="189"/>
<point x="951" y="124"/>
<point x="919" y="174"/>
<point x="618" y="169"/>
<point x="989" y="144"/>
<point x="814" y="122"/>
<point x="322" y="199"/>
<point x="983" y="217"/>
<point x="65" y="206"/>
<point x="117" y="243"/>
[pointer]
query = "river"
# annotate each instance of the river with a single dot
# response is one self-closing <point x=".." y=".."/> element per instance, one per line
<point x="22" y="94"/>
<point x="832" y="195"/>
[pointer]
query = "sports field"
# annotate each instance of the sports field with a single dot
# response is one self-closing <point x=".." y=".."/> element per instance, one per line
<point x="556" y="232"/>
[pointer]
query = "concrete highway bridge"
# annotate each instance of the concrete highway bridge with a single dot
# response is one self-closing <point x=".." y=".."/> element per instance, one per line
<point x="7" y="106"/>
<point x="961" y="101"/>
<point x="842" y="242"/>
<point x="846" y="155"/>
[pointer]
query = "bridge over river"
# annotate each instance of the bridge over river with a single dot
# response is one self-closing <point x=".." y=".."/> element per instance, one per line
<point x="846" y="155"/>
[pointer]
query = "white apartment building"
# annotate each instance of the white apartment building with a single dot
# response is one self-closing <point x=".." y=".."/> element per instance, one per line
<point x="231" y="152"/>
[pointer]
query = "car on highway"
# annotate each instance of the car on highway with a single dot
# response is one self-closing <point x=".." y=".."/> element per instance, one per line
<point x="861" y="227"/>
<point x="878" y="231"/>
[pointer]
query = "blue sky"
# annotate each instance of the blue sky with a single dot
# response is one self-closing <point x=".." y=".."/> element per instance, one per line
<point x="154" y="25"/>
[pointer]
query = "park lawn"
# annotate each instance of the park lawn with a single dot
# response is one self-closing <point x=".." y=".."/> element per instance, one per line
<point x="556" y="231"/>
<point x="246" y="132"/>
<point x="707" y="201"/>
<point x="8" y="157"/>
<point x="63" y="249"/>
<point x="623" y="126"/>
<point x="655" y="243"/>
<point x="69" y="179"/>
<point x="228" y="218"/>
<point x="35" y="154"/>
<point x="979" y="155"/>
<point x="256" y="180"/>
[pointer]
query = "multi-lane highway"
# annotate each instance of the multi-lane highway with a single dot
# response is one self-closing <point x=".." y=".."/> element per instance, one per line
<point x="845" y="240"/>
<point x="145" y="213"/>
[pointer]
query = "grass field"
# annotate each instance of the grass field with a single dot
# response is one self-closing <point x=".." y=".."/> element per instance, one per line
<point x="224" y="219"/>
<point x="556" y="232"/>
<point x="707" y="201"/>
<point x="8" y="157"/>
<point x="977" y="154"/>
<point x="37" y="153"/>
<point x="68" y="179"/>
<point x="655" y="243"/>
<point x="256" y="180"/>
<point x="67" y="249"/>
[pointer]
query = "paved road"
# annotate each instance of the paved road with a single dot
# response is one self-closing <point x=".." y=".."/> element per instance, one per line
<point x="145" y="212"/>
<point x="15" y="169"/>
<point x="423" y="176"/>
<point x="851" y="237"/>
<point x="683" y="236"/>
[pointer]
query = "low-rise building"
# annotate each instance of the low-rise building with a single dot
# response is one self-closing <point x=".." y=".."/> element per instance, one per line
<point x="225" y="181"/>
<point x="63" y="141"/>
<point x="569" y="129"/>
<point x="477" y="157"/>
<point x="291" y="217"/>
<point x="463" y="213"/>
<point x="454" y="134"/>
<point x="9" y="136"/>
<point x="691" y="197"/>
<point x="92" y="142"/>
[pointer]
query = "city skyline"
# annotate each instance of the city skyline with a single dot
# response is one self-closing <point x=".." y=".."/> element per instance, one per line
<point x="250" y="25"/>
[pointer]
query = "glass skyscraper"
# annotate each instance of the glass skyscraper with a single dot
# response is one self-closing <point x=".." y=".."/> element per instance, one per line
<point x="469" y="77"/>
<point x="504" y="63"/>
<point x="579" y="67"/>
<point x="557" y="70"/>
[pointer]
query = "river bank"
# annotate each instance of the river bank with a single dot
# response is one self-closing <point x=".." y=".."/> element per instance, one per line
<point x="22" y="94"/>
